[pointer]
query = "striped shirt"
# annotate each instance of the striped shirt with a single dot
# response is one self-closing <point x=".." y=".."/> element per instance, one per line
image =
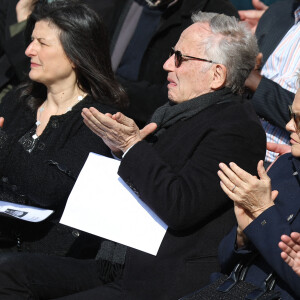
<point x="282" y="67"/>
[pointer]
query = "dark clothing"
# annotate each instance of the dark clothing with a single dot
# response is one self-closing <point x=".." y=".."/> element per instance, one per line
<point x="175" y="174"/>
<point x="265" y="231"/>
<point x="51" y="277"/>
<point x="45" y="176"/>
<point x="247" y="4"/>
<point x="177" y="178"/>
<point x="149" y="91"/>
<point x="145" y="29"/>
<point x="109" y="11"/>
<point x="14" y="64"/>
<point x="270" y="100"/>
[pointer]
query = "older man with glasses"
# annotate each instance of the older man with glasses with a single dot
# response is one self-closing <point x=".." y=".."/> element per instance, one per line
<point x="172" y="165"/>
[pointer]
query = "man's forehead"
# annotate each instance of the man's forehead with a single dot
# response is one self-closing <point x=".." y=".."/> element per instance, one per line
<point x="198" y="28"/>
<point x="194" y="33"/>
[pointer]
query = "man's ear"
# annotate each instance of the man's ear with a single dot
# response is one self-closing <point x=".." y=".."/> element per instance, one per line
<point x="219" y="76"/>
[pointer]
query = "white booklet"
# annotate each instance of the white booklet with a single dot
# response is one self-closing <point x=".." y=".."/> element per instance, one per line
<point x="102" y="204"/>
<point x="24" y="212"/>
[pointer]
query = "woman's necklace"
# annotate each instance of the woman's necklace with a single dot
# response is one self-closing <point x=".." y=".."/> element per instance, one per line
<point x="42" y="108"/>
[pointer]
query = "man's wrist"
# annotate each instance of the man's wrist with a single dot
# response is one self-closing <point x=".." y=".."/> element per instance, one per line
<point x="259" y="211"/>
<point x="241" y="238"/>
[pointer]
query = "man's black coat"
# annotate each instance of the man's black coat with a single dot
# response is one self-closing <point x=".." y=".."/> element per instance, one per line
<point x="176" y="177"/>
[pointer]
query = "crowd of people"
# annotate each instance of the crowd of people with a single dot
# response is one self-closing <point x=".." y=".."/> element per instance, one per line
<point x="188" y="95"/>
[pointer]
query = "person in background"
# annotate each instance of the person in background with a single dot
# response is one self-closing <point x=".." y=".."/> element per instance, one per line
<point x="251" y="14"/>
<point x="14" y="65"/>
<point x="43" y="141"/>
<point x="273" y="83"/>
<point x="264" y="216"/>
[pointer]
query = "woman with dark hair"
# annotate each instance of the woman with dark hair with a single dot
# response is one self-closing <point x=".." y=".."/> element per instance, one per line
<point x="43" y="141"/>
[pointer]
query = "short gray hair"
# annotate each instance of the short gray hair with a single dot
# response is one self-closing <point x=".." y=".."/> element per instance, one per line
<point x="231" y="44"/>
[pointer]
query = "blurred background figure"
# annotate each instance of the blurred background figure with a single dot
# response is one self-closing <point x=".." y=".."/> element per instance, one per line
<point x="252" y="11"/>
<point x="273" y="83"/>
<point x="14" y="65"/>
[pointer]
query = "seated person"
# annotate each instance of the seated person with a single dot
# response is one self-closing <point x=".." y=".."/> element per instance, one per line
<point x="290" y="246"/>
<point x="43" y="141"/>
<point x="263" y="215"/>
<point x="172" y="165"/>
<point x="273" y="83"/>
<point x="144" y="32"/>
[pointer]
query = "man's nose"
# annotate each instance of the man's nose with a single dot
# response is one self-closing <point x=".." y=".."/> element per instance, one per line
<point x="291" y="126"/>
<point x="169" y="64"/>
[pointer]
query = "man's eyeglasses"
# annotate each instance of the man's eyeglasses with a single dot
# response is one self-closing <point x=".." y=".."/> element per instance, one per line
<point x="296" y="118"/>
<point x="179" y="58"/>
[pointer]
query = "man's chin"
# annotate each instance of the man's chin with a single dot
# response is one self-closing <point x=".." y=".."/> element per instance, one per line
<point x="171" y="98"/>
<point x="172" y="101"/>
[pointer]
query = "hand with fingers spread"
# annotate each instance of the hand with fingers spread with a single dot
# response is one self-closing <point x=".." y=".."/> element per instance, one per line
<point x="252" y="16"/>
<point x="253" y="194"/>
<point x="117" y="131"/>
<point x="290" y="246"/>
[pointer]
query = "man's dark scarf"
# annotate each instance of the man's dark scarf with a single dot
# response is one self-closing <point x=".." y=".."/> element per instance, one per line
<point x="170" y="113"/>
<point x="111" y="255"/>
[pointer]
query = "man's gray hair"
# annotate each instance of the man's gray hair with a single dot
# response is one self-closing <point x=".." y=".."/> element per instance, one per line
<point x="231" y="44"/>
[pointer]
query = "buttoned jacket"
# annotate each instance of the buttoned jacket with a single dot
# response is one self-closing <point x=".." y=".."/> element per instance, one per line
<point x="44" y="176"/>
<point x="264" y="232"/>
<point x="176" y="176"/>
